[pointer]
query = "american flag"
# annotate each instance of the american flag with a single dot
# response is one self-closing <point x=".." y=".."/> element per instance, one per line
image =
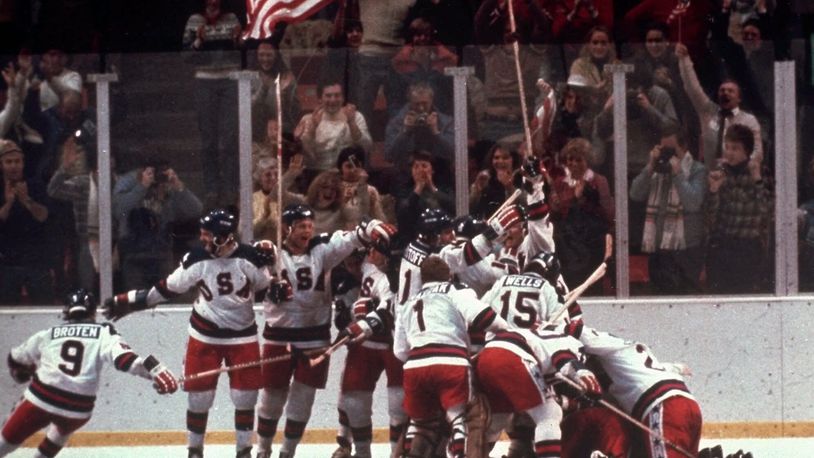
<point x="265" y="14"/>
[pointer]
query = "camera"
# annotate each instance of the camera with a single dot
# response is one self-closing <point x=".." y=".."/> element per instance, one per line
<point x="662" y="164"/>
<point x="421" y="119"/>
<point x="160" y="174"/>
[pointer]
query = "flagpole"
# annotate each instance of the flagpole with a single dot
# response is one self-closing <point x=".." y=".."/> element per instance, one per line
<point x="520" y="86"/>
<point x="278" y="263"/>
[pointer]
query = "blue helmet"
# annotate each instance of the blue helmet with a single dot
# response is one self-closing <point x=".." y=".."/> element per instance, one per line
<point x="221" y="223"/>
<point x="79" y="305"/>
<point x="295" y="212"/>
<point x="432" y="222"/>
<point x="468" y="226"/>
<point x="546" y="265"/>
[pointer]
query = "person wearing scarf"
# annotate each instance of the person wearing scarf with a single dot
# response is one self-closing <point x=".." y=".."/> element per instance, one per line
<point x="673" y="187"/>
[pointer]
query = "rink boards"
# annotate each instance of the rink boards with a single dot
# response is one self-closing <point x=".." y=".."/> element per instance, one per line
<point x="753" y="374"/>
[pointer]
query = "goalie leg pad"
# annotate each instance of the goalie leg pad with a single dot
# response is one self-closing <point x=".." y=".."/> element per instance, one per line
<point x="422" y="438"/>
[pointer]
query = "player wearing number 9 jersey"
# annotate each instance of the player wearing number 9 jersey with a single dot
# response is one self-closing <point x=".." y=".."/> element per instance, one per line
<point x="65" y="362"/>
<point x="431" y="337"/>
<point x="222" y="327"/>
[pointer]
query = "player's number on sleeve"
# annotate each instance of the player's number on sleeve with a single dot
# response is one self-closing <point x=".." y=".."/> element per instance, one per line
<point x="418" y="307"/>
<point x="71" y="353"/>
<point x="525" y="314"/>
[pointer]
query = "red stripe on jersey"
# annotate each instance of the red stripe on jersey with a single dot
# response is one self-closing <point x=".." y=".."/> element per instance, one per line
<point x="483" y="320"/>
<point x="477" y="338"/>
<point x="561" y="358"/>
<point x="161" y="287"/>
<point x="61" y="398"/>
<point x="124" y="361"/>
<point x="436" y="350"/>
<point x="471" y="255"/>
<point x="307" y="334"/>
<point x="548" y="449"/>
<point x="653" y="393"/>
<point x="574" y="311"/>
<point x="516" y="340"/>
<point x="537" y="210"/>
<point x="210" y="329"/>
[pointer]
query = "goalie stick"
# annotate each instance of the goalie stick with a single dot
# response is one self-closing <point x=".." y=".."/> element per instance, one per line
<point x="627" y="417"/>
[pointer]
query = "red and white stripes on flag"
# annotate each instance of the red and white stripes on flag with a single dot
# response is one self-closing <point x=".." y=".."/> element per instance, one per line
<point x="265" y="14"/>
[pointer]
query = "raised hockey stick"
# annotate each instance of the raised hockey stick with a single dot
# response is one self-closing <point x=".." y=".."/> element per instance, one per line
<point x="627" y="417"/>
<point x="510" y="200"/>
<point x="319" y="359"/>
<point x="278" y="264"/>
<point x="260" y="362"/>
<point x="597" y="274"/>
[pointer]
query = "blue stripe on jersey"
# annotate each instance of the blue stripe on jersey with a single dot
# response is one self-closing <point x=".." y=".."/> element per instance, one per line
<point x="306" y="334"/>
<point x="210" y="329"/>
<point x="60" y="398"/>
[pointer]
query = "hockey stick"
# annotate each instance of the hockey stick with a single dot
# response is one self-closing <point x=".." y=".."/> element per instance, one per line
<point x="506" y="203"/>
<point x="278" y="264"/>
<point x="597" y="274"/>
<point x="317" y="360"/>
<point x="627" y="417"/>
<point x="261" y="362"/>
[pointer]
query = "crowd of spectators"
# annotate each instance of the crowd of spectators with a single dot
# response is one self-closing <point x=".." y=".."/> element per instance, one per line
<point x="379" y="139"/>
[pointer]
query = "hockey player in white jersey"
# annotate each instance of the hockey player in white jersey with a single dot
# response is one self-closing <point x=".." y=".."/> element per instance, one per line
<point x="436" y="235"/>
<point x="470" y="256"/>
<point x="222" y="328"/>
<point x="298" y="315"/>
<point x="369" y="354"/>
<point x="512" y="369"/>
<point x="431" y="338"/>
<point x="66" y="362"/>
<point x="527" y="299"/>
<point x="522" y="242"/>
<point x="649" y="391"/>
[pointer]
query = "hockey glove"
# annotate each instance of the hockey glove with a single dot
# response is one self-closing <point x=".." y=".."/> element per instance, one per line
<point x="364" y="305"/>
<point x="362" y="329"/>
<point x="164" y="381"/>
<point x="21" y="373"/>
<point x="500" y="223"/>
<point x="375" y="232"/>
<point x="280" y="291"/>
<point x="266" y="252"/>
<point x="580" y="374"/>
<point x="342" y="314"/>
<point x="739" y="454"/>
<point x="121" y="305"/>
<point x="534" y="169"/>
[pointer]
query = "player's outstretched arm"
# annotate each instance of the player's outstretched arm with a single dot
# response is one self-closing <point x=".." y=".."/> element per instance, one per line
<point x="121" y="305"/>
<point x="164" y="381"/>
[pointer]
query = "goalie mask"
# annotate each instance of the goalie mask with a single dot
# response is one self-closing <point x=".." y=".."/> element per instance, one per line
<point x="222" y="224"/>
<point x="79" y="305"/>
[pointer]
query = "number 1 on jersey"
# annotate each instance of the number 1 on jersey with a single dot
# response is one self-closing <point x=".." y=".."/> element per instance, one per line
<point x="419" y="310"/>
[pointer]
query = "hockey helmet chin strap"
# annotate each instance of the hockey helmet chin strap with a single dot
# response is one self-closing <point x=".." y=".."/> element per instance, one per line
<point x="221" y="242"/>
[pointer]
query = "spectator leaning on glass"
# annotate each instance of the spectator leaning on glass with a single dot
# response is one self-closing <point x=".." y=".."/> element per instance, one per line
<point x="23" y="215"/>
<point x="739" y="212"/>
<point x="673" y="184"/>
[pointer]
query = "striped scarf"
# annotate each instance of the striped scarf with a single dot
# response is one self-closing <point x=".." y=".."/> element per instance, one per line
<point x="672" y="232"/>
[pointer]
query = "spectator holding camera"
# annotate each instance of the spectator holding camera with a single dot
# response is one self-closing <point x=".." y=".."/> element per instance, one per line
<point x="146" y="203"/>
<point x="673" y="184"/>
<point x="419" y="126"/>
<point x="739" y="213"/>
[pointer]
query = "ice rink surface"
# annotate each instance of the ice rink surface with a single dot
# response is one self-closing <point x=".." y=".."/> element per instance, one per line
<point x="760" y="448"/>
